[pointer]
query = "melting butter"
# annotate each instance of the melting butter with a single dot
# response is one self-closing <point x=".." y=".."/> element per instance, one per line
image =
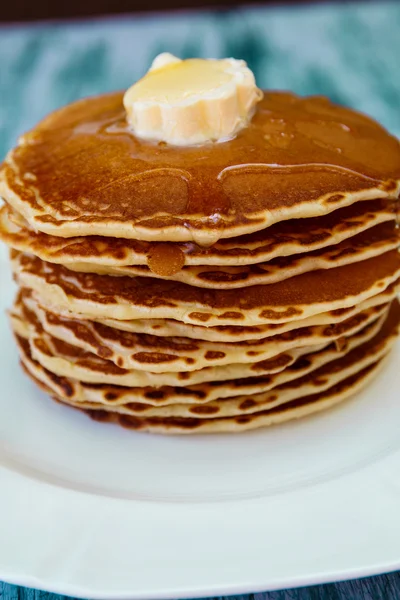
<point x="191" y="102"/>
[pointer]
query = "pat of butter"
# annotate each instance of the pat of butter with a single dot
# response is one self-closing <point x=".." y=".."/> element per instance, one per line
<point x="195" y="101"/>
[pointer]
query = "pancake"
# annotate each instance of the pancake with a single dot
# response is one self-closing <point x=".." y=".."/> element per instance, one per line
<point x="319" y="380"/>
<point x="374" y="242"/>
<point x="235" y="333"/>
<point x="81" y="172"/>
<point x="297" y="409"/>
<point x="67" y="360"/>
<point x="158" y="354"/>
<point x="111" y="395"/>
<point x="283" y="239"/>
<point x="314" y="392"/>
<point x="128" y="298"/>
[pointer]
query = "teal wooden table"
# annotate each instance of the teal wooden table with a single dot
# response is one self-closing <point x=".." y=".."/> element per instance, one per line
<point x="384" y="587"/>
<point x="347" y="51"/>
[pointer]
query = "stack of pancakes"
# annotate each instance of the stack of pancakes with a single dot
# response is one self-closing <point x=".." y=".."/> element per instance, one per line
<point x="204" y="289"/>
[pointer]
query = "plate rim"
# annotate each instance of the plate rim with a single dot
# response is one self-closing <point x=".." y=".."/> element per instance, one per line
<point x="16" y="485"/>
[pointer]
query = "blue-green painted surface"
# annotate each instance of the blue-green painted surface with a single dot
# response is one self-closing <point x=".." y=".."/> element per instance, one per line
<point x="350" y="52"/>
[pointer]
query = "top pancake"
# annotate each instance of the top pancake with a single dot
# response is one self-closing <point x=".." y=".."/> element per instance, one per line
<point x="82" y="172"/>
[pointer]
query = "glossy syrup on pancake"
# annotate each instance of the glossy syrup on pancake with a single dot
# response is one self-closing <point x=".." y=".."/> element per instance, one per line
<point x="81" y="171"/>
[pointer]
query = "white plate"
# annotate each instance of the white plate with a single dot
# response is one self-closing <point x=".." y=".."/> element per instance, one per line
<point x="93" y="510"/>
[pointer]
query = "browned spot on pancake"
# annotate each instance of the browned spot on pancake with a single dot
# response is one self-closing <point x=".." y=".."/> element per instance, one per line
<point x="111" y="396"/>
<point x="302" y="333"/>
<point x="105" y="352"/>
<point x="138" y="406"/>
<point x="272" y="398"/>
<point x="63" y="383"/>
<point x="165" y="259"/>
<point x="184" y="375"/>
<point x="246" y="404"/>
<point x="213" y="355"/>
<point x="341" y="254"/>
<point x="252" y="353"/>
<point x="336" y="329"/>
<point x="334" y="198"/>
<point x="260" y="380"/>
<point x="204" y="410"/>
<point x="319" y="381"/>
<point x="138" y="423"/>
<point x="156" y="326"/>
<point x="300" y="364"/>
<point x="197" y="316"/>
<point x="186" y="391"/>
<point x="272" y="363"/>
<point x="338" y="312"/>
<point x="275" y="314"/>
<point x="42" y="346"/>
<point x="120" y="362"/>
<point x="243" y="420"/>
<point x="231" y="315"/>
<point x="223" y="276"/>
<point x="189" y="361"/>
<point x="154" y="357"/>
<point x="155" y="394"/>
<point x="98" y="415"/>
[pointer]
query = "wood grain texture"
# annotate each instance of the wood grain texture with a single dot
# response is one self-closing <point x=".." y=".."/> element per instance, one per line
<point x="384" y="587"/>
